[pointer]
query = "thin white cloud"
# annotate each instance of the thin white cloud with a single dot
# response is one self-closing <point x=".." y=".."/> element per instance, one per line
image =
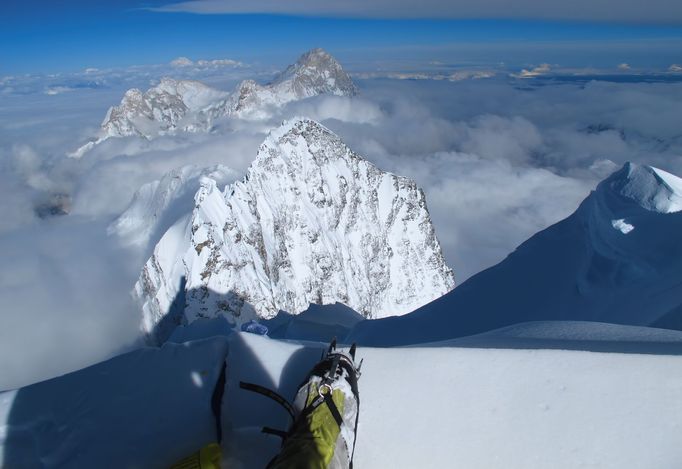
<point x="543" y="69"/>
<point x="624" y="67"/>
<point x="181" y="62"/>
<point x="654" y="11"/>
<point x="186" y="62"/>
<point x="675" y="68"/>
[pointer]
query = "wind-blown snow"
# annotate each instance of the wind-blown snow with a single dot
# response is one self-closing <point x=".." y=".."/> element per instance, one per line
<point x="312" y="222"/>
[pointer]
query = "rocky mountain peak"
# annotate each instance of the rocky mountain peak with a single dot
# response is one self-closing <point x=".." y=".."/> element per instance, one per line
<point x="312" y="222"/>
<point x="316" y="72"/>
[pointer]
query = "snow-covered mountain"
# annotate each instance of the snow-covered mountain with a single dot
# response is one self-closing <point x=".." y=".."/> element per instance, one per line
<point x="314" y="73"/>
<point x="158" y="204"/>
<point x="617" y="259"/>
<point x="191" y="106"/>
<point x="312" y="222"/>
<point x="166" y="108"/>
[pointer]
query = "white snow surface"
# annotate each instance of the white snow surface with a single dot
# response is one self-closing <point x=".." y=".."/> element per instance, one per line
<point x="312" y="222"/>
<point x="145" y="409"/>
<point x="471" y="403"/>
<point x="190" y="106"/>
<point x="617" y="259"/>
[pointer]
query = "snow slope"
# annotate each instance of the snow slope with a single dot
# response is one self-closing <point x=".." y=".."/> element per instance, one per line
<point x="430" y="406"/>
<point x="312" y="222"/>
<point x="617" y="259"/>
<point x="144" y="409"/>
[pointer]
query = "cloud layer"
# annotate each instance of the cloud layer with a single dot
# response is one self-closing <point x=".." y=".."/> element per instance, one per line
<point x="498" y="159"/>
<point x="633" y="11"/>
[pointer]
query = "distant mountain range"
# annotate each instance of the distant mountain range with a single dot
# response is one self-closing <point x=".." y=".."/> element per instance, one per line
<point x="190" y="106"/>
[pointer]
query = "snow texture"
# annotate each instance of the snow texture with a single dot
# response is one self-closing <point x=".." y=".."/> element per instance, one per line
<point x="617" y="259"/>
<point x="312" y="222"/>
<point x="482" y="406"/>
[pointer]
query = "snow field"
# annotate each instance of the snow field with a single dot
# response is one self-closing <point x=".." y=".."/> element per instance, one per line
<point x="478" y="408"/>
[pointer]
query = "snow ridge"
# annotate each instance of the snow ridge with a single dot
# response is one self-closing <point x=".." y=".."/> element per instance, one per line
<point x="160" y="203"/>
<point x="616" y="259"/>
<point x="312" y="222"/>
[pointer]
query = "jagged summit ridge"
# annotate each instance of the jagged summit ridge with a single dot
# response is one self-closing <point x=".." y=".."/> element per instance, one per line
<point x="312" y="222"/>
<point x="170" y="106"/>
<point x="160" y="109"/>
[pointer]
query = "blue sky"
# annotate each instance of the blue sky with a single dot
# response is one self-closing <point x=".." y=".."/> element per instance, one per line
<point x="46" y="37"/>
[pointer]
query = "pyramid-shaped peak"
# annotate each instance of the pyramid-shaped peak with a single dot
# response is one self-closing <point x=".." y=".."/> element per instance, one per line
<point x="316" y="72"/>
<point x="316" y="55"/>
<point x="300" y="139"/>
<point x="297" y="126"/>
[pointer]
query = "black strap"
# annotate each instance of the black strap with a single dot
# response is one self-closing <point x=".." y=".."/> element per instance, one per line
<point x="327" y="399"/>
<point x="333" y="409"/>
<point x="309" y="410"/>
<point x="271" y="394"/>
<point x="355" y="431"/>
<point x="217" y="402"/>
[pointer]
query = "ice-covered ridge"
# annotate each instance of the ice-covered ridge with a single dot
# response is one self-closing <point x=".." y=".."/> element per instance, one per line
<point x="312" y="222"/>
<point x="159" y="204"/>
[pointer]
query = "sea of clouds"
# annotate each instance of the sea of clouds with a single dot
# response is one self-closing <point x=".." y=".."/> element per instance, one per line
<point x="498" y="158"/>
